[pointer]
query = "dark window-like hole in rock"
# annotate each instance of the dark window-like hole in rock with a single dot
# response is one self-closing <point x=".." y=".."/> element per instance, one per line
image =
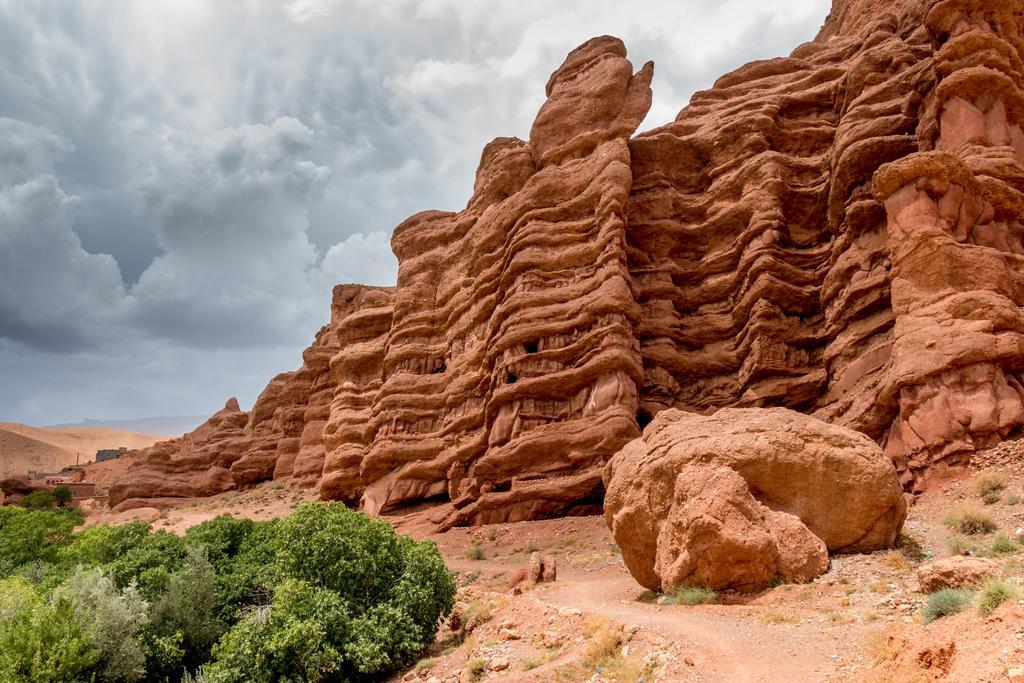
<point x="643" y="418"/>
<point x="512" y="378"/>
<point x="532" y="346"/>
<point x="439" y="369"/>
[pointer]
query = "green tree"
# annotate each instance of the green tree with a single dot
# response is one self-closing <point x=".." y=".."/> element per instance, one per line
<point x="62" y="494"/>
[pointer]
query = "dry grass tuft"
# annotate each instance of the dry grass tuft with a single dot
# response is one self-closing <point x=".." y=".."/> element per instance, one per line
<point x="988" y="482"/>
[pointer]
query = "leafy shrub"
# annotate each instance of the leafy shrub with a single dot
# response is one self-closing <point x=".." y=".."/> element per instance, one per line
<point x="186" y="615"/>
<point x="695" y="595"/>
<point x="327" y="594"/>
<point x="394" y="588"/>
<point x="40" y="639"/>
<point x="945" y="602"/>
<point x="301" y="636"/>
<point x="995" y="592"/>
<point x="33" y="537"/>
<point x="38" y="500"/>
<point x="970" y="520"/>
<point x="110" y="619"/>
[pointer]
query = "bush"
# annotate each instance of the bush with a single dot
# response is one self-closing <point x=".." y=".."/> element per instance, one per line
<point x="41" y="640"/>
<point x="987" y="483"/>
<point x="62" y="494"/>
<point x="353" y="600"/>
<point x="944" y="602"/>
<point x="110" y="619"/>
<point x="959" y="545"/>
<point x="33" y="537"/>
<point x="694" y="595"/>
<point x="1003" y="545"/>
<point x="302" y="636"/>
<point x="186" y="616"/>
<point x="995" y="592"/>
<point x="38" y="500"/>
<point x="395" y="589"/>
<point x="970" y="520"/>
<point x="991" y="498"/>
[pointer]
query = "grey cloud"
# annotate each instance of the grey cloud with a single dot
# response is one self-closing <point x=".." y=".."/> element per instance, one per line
<point x="187" y="180"/>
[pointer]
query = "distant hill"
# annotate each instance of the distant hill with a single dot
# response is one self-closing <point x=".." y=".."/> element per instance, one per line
<point x="165" y="426"/>
<point x="24" y="448"/>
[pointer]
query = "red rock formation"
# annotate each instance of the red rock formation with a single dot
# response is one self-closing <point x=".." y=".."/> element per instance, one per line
<point x="836" y="232"/>
<point x="745" y="496"/>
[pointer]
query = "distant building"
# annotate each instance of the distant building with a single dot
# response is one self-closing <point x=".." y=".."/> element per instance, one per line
<point x="105" y="454"/>
<point x="81" y="489"/>
<point x="55" y="480"/>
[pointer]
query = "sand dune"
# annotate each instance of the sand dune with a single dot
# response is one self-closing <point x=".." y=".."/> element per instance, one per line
<point x="24" y="448"/>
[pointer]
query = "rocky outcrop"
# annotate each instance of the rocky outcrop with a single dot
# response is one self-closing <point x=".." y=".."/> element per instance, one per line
<point x="837" y="232"/>
<point x="746" y="496"/>
<point x="956" y="572"/>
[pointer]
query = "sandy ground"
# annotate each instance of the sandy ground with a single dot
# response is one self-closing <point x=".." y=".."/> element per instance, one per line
<point x="24" y="448"/>
<point x="860" y="621"/>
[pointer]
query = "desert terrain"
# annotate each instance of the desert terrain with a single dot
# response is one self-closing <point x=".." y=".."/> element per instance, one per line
<point x="862" y="620"/>
<point x="24" y="448"/>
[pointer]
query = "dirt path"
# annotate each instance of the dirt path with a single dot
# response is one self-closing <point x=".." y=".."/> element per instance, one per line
<point x="723" y="645"/>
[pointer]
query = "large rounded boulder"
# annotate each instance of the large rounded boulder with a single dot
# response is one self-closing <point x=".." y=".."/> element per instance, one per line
<point x="746" y="496"/>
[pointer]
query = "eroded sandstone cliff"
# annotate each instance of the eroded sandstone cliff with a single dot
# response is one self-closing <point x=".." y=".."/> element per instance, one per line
<point x="837" y="232"/>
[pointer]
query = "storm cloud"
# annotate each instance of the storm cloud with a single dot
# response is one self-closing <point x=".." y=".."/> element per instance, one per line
<point x="183" y="181"/>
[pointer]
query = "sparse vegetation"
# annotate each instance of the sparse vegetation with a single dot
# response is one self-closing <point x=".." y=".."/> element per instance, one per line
<point x="694" y="595"/>
<point x="991" y="498"/>
<point x="958" y="545"/>
<point x="987" y="483"/>
<point x="1012" y="500"/>
<point x="945" y="602"/>
<point x="476" y="668"/>
<point x="604" y="639"/>
<point x="911" y="546"/>
<point x="476" y="552"/>
<point x="970" y="520"/>
<point x="1002" y="545"/>
<point x="881" y="646"/>
<point x="897" y="560"/>
<point x="995" y="592"/>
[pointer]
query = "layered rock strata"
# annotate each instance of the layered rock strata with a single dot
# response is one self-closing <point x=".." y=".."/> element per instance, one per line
<point x="837" y="232"/>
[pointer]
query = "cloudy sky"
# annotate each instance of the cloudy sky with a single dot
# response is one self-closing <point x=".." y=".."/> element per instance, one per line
<point x="182" y="181"/>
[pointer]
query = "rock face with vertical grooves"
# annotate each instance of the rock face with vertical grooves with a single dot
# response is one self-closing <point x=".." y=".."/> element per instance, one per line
<point x="837" y="232"/>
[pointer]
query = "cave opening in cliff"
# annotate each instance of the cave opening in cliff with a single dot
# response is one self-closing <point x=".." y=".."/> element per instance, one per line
<point x="512" y="378"/>
<point x="532" y="346"/>
<point x="643" y="418"/>
<point x="439" y="370"/>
